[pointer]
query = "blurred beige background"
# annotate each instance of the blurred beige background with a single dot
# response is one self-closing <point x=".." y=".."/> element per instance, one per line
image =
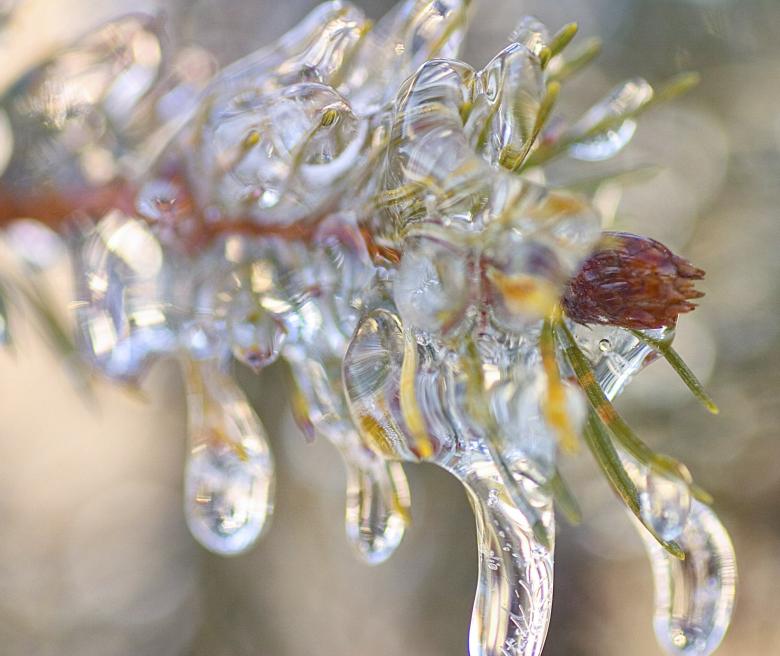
<point x="94" y="556"/>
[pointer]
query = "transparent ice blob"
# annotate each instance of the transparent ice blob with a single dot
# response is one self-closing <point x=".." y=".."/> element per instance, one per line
<point x="229" y="475"/>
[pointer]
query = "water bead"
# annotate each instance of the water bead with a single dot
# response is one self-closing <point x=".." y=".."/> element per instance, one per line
<point x="229" y="478"/>
<point x="378" y="507"/>
<point x="531" y="33"/>
<point x="433" y="285"/>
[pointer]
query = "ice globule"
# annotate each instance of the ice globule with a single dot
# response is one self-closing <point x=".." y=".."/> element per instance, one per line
<point x="71" y="117"/>
<point x="613" y="113"/>
<point x="122" y="287"/>
<point x="229" y="473"/>
<point x="694" y="596"/>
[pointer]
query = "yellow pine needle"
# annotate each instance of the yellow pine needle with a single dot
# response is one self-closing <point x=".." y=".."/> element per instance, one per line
<point x="375" y="435"/>
<point x="554" y="405"/>
<point x="524" y="294"/>
<point x="401" y="501"/>
<point x="545" y="109"/>
<point x="410" y="409"/>
<point x="562" y="38"/>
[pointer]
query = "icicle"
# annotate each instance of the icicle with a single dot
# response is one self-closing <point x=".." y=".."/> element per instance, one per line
<point x="514" y="517"/>
<point x="515" y="580"/>
<point x="229" y="479"/>
<point x="377" y="500"/>
<point x="695" y="596"/>
<point x="378" y="507"/>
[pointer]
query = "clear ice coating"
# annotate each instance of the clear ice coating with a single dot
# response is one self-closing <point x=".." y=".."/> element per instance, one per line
<point x="246" y="197"/>
<point x="620" y="102"/>
<point x="229" y="475"/>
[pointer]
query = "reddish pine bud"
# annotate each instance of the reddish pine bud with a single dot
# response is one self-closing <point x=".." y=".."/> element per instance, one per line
<point x="632" y="282"/>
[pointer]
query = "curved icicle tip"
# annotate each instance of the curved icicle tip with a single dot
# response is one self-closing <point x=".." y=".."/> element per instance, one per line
<point x="694" y="597"/>
<point x="513" y="600"/>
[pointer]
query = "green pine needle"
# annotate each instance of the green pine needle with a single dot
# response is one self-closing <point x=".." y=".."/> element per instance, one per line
<point x="682" y="369"/>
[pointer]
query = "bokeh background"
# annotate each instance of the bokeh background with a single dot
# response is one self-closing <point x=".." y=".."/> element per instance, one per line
<point x="95" y="559"/>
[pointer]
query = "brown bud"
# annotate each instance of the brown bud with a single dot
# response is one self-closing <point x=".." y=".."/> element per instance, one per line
<point x="632" y="282"/>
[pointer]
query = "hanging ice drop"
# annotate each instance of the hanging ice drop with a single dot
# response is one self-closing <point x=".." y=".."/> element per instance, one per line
<point x="229" y="477"/>
<point x="377" y="507"/>
<point x="695" y="596"/>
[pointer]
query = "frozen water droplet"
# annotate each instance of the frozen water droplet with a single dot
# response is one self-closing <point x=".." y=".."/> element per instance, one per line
<point x="432" y="287"/>
<point x="695" y="596"/>
<point x="372" y="372"/>
<point x="229" y="479"/>
<point x="623" y="100"/>
<point x="256" y="336"/>
<point x="531" y="33"/>
<point x="513" y="86"/>
<point x="605" y="145"/>
<point x="378" y="507"/>
<point x="122" y="285"/>
<point x="665" y="504"/>
<point x="36" y="244"/>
